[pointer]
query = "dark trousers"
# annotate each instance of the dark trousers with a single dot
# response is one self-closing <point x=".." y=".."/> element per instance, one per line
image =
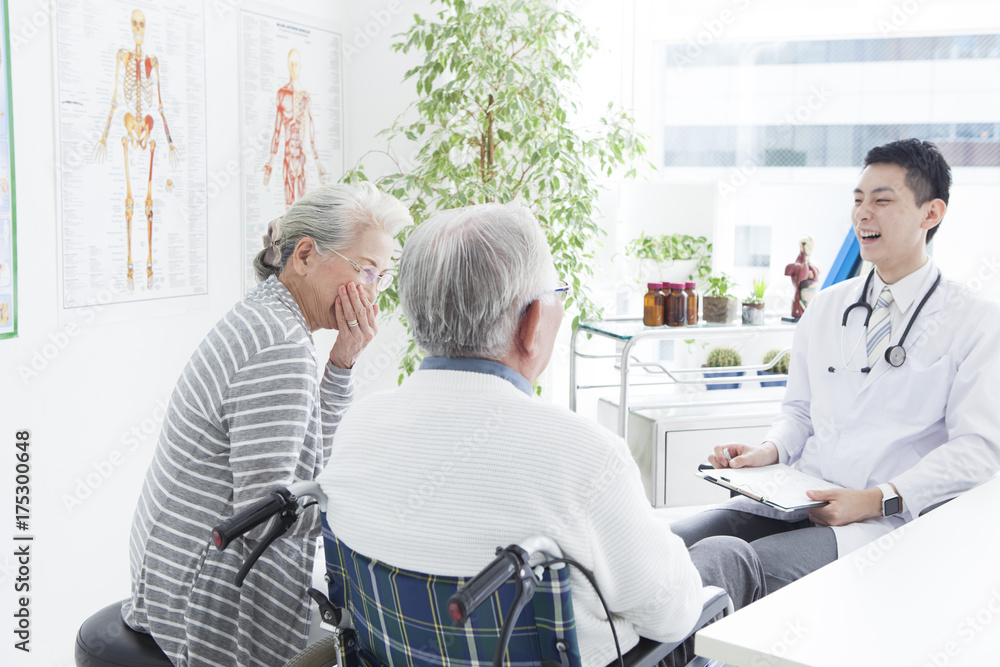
<point x="787" y="550"/>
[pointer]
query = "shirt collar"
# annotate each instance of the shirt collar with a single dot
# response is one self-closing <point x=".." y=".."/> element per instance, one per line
<point x="478" y="366"/>
<point x="905" y="290"/>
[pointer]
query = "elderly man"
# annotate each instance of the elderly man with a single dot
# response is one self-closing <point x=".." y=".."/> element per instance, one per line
<point x="431" y="477"/>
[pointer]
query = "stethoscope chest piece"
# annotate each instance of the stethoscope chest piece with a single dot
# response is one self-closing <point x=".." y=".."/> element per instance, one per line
<point x="895" y="355"/>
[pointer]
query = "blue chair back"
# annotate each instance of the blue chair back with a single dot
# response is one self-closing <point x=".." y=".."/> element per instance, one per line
<point x="402" y="618"/>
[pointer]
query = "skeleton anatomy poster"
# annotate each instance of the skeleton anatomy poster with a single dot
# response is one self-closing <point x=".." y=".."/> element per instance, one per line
<point x="8" y="226"/>
<point x="292" y="118"/>
<point x="131" y="94"/>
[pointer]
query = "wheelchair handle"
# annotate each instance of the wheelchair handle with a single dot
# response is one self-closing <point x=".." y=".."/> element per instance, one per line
<point x="262" y="510"/>
<point x="508" y="563"/>
<point x="468" y="598"/>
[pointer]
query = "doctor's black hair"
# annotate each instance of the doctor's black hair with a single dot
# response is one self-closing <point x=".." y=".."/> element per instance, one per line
<point x="927" y="172"/>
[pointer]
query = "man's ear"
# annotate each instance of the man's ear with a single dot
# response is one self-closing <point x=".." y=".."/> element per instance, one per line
<point x="303" y="254"/>
<point x="528" y="329"/>
<point x="935" y="212"/>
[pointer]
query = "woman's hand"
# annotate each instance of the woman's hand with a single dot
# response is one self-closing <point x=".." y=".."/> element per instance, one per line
<point x="355" y="324"/>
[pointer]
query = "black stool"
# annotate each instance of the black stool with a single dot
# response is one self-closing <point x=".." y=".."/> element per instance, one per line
<point x="105" y="641"/>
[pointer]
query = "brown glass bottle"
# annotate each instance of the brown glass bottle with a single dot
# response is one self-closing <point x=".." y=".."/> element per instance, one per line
<point x="652" y="305"/>
<point x="692" y="297"/>
<point x="676" y="306"/>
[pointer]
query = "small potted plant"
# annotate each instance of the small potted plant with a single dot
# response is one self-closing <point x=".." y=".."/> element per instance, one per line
<point x="718" y="305"/>
<point x="753" y="305"/>
<point x="723" y="357"/>
<point x="779" y="368"/>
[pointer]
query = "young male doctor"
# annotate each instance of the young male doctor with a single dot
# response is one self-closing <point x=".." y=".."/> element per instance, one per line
<point x="892" y="390"/>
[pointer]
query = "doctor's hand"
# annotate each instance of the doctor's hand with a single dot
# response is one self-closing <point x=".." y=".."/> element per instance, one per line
<point x="846" y="506"/>
<point x="744" y="456"/>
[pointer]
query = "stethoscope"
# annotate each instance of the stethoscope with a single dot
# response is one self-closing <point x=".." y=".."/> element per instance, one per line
<point x="894" y="354"/>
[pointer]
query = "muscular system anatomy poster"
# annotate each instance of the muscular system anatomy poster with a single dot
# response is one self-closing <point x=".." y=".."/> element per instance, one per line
<point x="131" y="95"/>
<point x="292" y="118"/>
<point x="8" y="225"/>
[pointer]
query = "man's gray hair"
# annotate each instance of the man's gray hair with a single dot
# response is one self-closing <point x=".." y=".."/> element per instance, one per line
<point x="333" y="216"/>
<point x="466" y="276"/>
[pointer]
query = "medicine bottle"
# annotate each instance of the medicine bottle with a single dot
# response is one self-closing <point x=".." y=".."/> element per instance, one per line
<point x="676" y="305"/>
<point x="652" y="305"/>
<point x="692" y="298"/>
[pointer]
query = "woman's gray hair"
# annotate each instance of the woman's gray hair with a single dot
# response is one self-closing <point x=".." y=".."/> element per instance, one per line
<point x="466" y="276"/>
<point x="333" y="216"/>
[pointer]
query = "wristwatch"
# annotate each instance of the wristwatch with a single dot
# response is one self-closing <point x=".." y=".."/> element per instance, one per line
<point x="891" y="502"/>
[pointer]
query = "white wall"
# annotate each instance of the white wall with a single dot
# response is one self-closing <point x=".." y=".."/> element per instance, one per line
<point x="375" y="97"/>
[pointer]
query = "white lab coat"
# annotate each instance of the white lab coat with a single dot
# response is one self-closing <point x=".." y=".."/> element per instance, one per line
<point x="931" y="426"/>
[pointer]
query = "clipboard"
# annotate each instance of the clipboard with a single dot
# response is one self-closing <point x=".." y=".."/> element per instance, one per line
<point x="779" y="486"/>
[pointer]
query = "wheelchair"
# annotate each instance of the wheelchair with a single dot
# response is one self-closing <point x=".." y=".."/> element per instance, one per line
<point x="518" y="610"/>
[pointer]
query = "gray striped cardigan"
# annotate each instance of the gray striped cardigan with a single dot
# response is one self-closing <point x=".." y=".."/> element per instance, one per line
<point x="249" y="413"/>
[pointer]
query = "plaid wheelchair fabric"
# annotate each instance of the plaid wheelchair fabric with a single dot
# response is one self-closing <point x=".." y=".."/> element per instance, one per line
<point x="402" y="618"/>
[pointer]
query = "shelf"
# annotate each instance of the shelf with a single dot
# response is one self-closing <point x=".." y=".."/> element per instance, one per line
<point x="631" y="331"/>
<point x="626" y="329"/>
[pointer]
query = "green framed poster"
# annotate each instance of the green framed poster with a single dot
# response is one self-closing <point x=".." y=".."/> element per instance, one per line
<point x="8" y="210"/>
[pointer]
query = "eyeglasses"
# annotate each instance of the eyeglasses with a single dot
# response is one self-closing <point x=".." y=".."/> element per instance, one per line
<point x="369" y="274"/>
<point x="562" y="291"/>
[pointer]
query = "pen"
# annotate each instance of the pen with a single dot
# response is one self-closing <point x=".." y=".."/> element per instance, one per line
<point x="759" y="497"/>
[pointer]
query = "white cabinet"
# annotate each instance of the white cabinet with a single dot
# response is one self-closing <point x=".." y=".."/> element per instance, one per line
<point x="669" y="443"/>
<point x="675" y="425"/>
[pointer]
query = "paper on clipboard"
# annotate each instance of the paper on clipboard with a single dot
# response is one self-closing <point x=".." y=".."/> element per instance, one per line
<point x="779" y="486"/>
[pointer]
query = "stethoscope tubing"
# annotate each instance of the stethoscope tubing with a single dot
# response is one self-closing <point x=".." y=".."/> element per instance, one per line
<point x="862" y="302"/>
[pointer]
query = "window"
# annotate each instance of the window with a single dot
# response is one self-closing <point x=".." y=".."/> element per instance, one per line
<point x="926" y="79"/>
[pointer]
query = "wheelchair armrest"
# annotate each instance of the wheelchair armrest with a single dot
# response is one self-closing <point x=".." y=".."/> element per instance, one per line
<point x="934" y="506"/>
<point x="714" y="601"/>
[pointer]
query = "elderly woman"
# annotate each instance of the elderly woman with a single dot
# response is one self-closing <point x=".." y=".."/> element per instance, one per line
<point x="251" y="412"/>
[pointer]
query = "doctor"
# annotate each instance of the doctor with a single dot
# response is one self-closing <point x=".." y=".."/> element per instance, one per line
<point x="901" y="423"/>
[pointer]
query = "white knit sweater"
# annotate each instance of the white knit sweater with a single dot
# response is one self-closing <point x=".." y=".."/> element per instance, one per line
<point x="433" y="476"/>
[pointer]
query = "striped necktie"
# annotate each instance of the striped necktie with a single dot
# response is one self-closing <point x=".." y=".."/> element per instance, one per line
<point x="879" y="328"/>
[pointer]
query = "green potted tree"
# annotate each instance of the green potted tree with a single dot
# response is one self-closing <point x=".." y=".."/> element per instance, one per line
<point x="753" y="305"/>
<point x="723" y="357"/>
<point x="497" y="118"/>
<point x="718" y="305"/>
<point x="779" y="368"/>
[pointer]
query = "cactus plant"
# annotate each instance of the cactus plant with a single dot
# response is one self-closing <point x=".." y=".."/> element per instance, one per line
<point x="723" y="356"/>
<point x="782" y="366"/>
